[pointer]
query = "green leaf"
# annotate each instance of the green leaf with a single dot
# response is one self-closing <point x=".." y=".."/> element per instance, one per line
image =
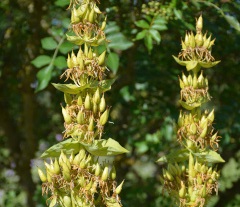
<point x="118" y="42"/>
<point x="77" y="40"/>
<point x="60" y="62"/>
<point x="189" y="106"/>
<point x="209" y="156"/>
<point x="180" y="62"/>
<point x="62" y="3"/>
<point x="190" y="65"/>
<point x="104" y="85"/>
<point x="68" y="146"/>
<point x="41" y="60"/>
<point x="175" y="156"/>
<point x="143" y="24"/>
<point x="72" y="88"/>
<point x="209" y="64"/>
<point x="232" y="21"/>
<point x="159" y="27"/>
<point x="148" y="42"/>
<point x="141" y="35"/>
<point x="111" y="202"/>
<point x="112" y="27"/>
<point x="155" y="34"/>
<point x="48" y="43"/>
<point x="104" y="147"/>
<point x="159" y="21"/>
<point x="44" y="76"/>
<point x="177" y="13"/>
<point x="66" y="47"/>
<point x="113" y="62"/>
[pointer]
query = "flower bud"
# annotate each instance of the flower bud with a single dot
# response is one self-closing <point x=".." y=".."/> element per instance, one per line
<point x="67" y="201"/>
<point x="101" y="58"/>
<point x="74" y="16"/>
<point x="91" y="124"/>
<point x="69" y="62"/>
<point x="42" y="175"/>
<point x="67" y="98"/>
<point x="96" y="96"/>
<point x="79" y="100"/>
<point x="80" y="117"/>
<point x="66" y="116"/>
<point x="87" y="102"/>
<point x="97" y="170"/>
<point x="113" y="173"/>
<point x="104" y="24"/>
<point x="102" y="104"/>
<point x="119" y="188"/>
<point x="74" y="59"/>
<point x="182" y="191"/>
<point x="104" y="176"/>
<point x="104" y="117"/>
<point x="56" y="167"/>
<point x="199" y="24"/>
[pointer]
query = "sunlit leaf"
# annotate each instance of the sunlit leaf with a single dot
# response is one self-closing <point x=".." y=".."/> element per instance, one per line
<point x="118" y="41"/>
<point x="175" y="156"/>
<point x="66" y="47"/>
<point x="60" y="62"/>
<point x="49" y="43"/>
<point x="209" y="156"/>
<point x="41" y="61"/>
<point x="233" y="21"/>
<point x="148" y="42"/>
<point x="68" y="146"/>
<point x="113" y="62"/>
<point x="44" y="76"/>
<point x="61" y="3"/>
<point x="105" y="147"/>
<point x="141" y="35"/>
<point x="143" y="24"/>
<point x="155" y="34"/>
<point x="208" y="64"/>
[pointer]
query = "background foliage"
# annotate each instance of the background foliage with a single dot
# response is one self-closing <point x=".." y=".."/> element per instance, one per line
<point x="144" y="98"/>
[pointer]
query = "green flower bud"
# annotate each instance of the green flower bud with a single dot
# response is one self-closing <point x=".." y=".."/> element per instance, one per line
<point x="67" y="201"/>
<point x="104" y="176"/>
<point x="104" y="24"/>
<point x="80" y="117"/>
<point x="74" y="59"/>
<point x="79" y="100"/>
<point x="74" y="17"/>
<point x="56" y="167"/>
<point x="101" y="58"/>
<point x="42" y="175"/>
<point x="104" y="117"/>
<point x="211" y="116"/>
<point x="67" y="98"/>
<point x="97" y="170"/>
<point x="182" y="191"/>
<point x="91" y="124"/>
<point x="66" y="116"/>
<point x="96" y="96"/>
<point x="113" y="173"/>
<point x="69" y="62"/>
<point x="87" y="102"/>
<point x="102" y="105"/>
<point x="199" y="23"/>
<point x="119" y="188"/>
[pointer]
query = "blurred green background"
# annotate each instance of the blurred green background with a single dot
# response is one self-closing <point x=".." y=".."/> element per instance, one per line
<point x="143" y="98"/>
